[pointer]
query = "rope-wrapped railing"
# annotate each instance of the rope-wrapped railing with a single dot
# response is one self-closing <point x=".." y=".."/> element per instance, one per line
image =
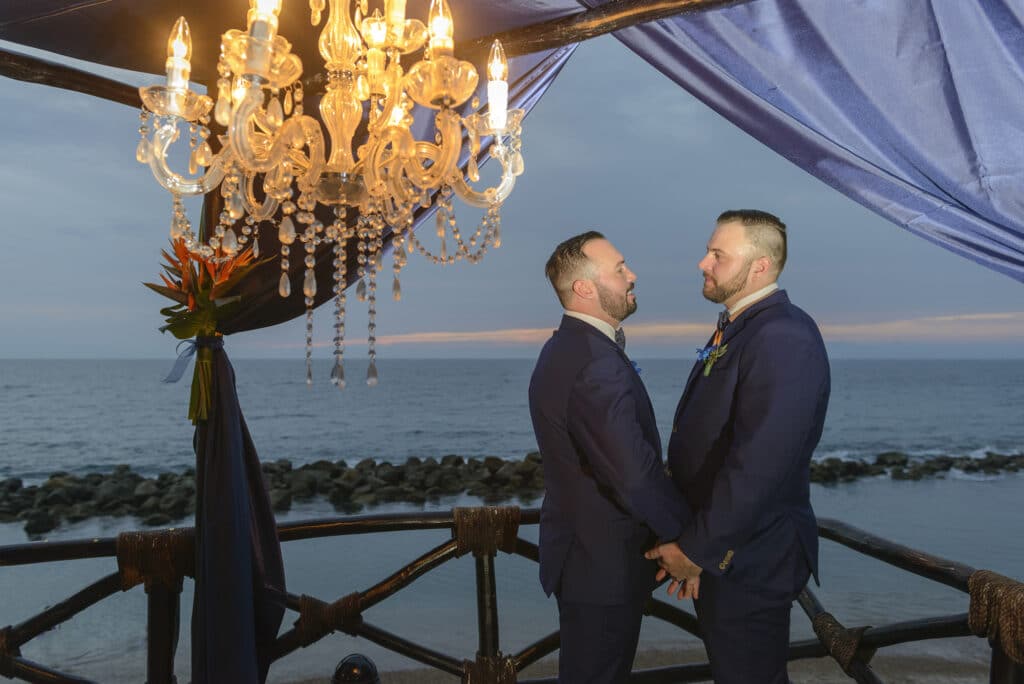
<point x="160" y="560"/>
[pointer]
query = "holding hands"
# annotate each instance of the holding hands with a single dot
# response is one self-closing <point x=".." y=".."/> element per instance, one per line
<point x="674" y="563"/>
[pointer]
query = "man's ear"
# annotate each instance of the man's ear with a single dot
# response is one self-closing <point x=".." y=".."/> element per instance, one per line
<point x="762" y="265"/>
<point x="584" y="289"/>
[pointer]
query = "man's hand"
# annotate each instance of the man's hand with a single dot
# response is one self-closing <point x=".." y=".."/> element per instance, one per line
<point x="684" y="572"/>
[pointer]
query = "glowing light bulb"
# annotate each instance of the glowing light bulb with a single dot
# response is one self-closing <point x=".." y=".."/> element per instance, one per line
<point x="375" y="30"/>
<point x="396" y="19"/>
<point x="442" y="28"/>
<point x="179" y="52"/>
<point x="497" y="65"/>
<point x="497" y="88"/>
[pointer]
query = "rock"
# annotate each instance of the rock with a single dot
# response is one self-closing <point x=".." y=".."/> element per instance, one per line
<point x="365" y="499"/>
<point x="146" y="489"/>
<point x="493" y="464"/>
<point x="391" y="493"/>
<point x="389" y="473"/>
<point x="892" y="458"/>
<point x="10" y="485"/>
<point x="173" y="506"/>
<point x="451" y="460"/>
<point x="113" y="492"/>
<point x="280" y="499"/>
<point x="39" y="522"/>
<point x="155" y="520"/>
<point x="367" y="464"/>
<point x="303" y="484"/>
<point x="55" y="497"/>
<point x="899" y="474"/>
<point x="534" y="457"/>
<point x="149" y="505"/>
<point x="79" y="512"/>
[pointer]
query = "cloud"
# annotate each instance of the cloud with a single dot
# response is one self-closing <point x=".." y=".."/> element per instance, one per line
<point x="989" y="327"/>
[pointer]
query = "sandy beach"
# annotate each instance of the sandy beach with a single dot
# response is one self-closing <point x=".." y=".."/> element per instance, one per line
<point x="894" y="667"/>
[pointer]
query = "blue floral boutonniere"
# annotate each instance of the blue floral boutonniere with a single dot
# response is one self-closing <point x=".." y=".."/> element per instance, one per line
<point x="636" y="367"/>
<point x="710" y="354"/>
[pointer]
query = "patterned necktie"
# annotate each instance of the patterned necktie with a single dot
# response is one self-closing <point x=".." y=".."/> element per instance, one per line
<point x="723" y="320"/>
<point x="620" y="338"/>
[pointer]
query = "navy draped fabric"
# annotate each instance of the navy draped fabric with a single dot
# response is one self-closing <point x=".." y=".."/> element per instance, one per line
<point x="240" y="589"/>
<point x="915" y="109"/>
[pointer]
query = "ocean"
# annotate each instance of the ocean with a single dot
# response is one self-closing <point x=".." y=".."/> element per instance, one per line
<point x="88" y="416"/>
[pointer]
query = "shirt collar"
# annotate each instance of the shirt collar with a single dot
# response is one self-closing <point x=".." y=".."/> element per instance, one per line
<point x="608" y="330"/>
<point x="752" y="297"/>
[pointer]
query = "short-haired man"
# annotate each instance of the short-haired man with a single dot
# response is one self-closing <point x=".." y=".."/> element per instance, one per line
<point x="607" y="495"/>
<point x="742" y="439"/>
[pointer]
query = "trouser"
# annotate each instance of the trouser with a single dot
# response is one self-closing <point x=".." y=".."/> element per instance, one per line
<point x="597" y="642"/>
<point x="745" y="632"/>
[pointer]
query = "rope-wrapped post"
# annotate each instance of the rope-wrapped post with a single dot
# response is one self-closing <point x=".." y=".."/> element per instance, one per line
<point x="318" y="618"/>
<point x="482" y="532"/>
<point x="844" y="646"/>
<point x="159" y="560"/>
<point x="495" y="669"/>
<point x="997" y="613"/>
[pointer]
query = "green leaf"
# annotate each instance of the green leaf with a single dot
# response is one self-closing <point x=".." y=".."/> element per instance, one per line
<point x="176" y="295"/>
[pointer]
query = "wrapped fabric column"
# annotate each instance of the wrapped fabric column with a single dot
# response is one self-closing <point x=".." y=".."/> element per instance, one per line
<point x="240" y="591"/>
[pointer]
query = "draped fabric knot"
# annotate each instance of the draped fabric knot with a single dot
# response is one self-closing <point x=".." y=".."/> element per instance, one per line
<point x="841" y="643"/>
<point x="318" y="618"/>
<point x="485" y="530"/>
<point x="497" y="669"/>
<point x="214" y="342"/>
<point x="162" y="557"/>
<point x="997" y="611"/>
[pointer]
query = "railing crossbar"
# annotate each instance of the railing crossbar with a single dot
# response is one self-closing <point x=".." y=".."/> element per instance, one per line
<point x="30" y="671"/>
<point x="537" y="650"/>
<point x="395" y="643"/>
<point x="408" y="574"/>
<point x="922" y="564"/>
<point x="66" y="609"/>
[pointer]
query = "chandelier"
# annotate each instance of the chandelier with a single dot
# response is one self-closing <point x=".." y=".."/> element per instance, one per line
<point x="273" y="166"/>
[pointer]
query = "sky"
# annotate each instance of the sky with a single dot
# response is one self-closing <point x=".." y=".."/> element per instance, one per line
<point x="613" y="146"/>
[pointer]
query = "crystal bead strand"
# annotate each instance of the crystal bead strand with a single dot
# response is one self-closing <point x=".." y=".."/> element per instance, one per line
<point x="371" y="370"/>
<point x="340" y="273"/>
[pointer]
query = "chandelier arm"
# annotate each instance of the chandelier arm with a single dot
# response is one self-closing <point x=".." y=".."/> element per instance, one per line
<point x="240" y="134"/>
<point x="444" y="156"/>
<point x="163" y="136"/>
<point x="255" y="209"/>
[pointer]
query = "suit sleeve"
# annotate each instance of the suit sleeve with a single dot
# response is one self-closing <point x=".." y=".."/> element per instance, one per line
<point x="779" y="402"/>
<point x="603" y="422"/>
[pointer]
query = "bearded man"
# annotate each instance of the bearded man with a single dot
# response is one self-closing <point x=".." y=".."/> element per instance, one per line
<point x="607" y="494"/>
<point x="746" y="426"/>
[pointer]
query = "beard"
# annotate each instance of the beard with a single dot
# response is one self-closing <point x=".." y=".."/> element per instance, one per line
<point x="617" y="306"/>
<point x="721" y="292"/>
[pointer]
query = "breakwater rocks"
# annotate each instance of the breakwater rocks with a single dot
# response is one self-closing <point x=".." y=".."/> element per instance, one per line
<point x="170" y="497"/>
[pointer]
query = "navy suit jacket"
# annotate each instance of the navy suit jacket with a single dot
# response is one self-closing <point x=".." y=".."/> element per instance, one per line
<point x="741" y="445"/>
<point x="607" y="495"/>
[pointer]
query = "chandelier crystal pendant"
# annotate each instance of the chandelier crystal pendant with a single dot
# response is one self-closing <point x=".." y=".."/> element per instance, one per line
<point x="273" y="166"/>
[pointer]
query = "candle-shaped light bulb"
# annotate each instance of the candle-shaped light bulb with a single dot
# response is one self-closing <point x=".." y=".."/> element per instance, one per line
<point x="262" y="19"/>
<point x="442" y="28"/>
<point x="497" y="88"/>
<point x="179" y="52"/>
<point x="375" y="30"/>
<point x="497" y="65"/>
<point x="396" y="19"/>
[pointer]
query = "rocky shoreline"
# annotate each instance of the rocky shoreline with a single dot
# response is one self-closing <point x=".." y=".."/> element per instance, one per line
<point x="170" y="497"/>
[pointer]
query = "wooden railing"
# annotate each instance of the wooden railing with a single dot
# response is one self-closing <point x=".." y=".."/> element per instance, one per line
<point x="159" y="560"/>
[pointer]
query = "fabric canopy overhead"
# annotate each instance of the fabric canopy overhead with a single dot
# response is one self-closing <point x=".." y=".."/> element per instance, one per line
<point x="913" y="109"/>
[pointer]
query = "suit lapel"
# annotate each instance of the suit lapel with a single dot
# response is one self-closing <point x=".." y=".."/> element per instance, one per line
<point x="731" y="331"/>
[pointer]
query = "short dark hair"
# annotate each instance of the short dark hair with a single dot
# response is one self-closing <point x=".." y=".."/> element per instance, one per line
<point x="568" y="264"/>
<point x="766" y="232"/>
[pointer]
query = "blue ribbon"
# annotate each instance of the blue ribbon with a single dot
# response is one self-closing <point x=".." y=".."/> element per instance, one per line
<point x="183" y="358"/>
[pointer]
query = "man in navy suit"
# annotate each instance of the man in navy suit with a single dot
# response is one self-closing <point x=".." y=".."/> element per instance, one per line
<point x="607" y="494"/>
<point x="742" y="439"/>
